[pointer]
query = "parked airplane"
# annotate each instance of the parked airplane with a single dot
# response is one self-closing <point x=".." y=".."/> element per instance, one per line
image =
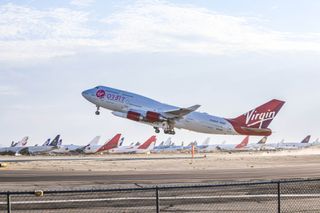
<point x="163" y="146"/>
<point x="20" y="143"/>
<point x="44" y="149"/>
<point x="148" y="111"/>
<point x="109" y="144"/>
<point x="15" y="147"/>
<point x="261" y="145"/>
<point x="295" y="145"/>
<point x="143" y="148"/>
<point x="204" y="146"/>
<point x="75" y="149"/>
<point x="232" y="147"/>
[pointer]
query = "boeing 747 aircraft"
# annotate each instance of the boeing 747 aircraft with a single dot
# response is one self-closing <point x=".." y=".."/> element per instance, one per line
<point x="167" y="117"/>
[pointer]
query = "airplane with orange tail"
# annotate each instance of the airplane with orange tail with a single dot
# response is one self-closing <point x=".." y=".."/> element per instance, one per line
<point x="145" y="147"/>
<point x="233" y="147"/>
<point x="108" y="145"/>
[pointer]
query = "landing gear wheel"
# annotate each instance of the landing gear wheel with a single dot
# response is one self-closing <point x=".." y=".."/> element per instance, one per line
<point x="98" y="112"/>
<point x="170" y="132"/>
<point x="156" y="129"/>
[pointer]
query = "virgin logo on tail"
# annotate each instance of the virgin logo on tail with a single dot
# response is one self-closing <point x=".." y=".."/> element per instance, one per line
<point x="259" y="118"/>
<point x="253" y="117"/>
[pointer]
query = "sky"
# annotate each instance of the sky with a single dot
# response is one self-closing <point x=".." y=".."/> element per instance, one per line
<point x="228" y="56"/>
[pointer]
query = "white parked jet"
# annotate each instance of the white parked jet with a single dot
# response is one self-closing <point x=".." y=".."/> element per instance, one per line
<point x="143" y="148"/>
<point x="75" y="149"/>
<point x="44" y="149"/>
<point x="295" y="145"/>
<point x="261" y="145"/>
<point x="15" y="147"/>
<point x="145" y="110"/>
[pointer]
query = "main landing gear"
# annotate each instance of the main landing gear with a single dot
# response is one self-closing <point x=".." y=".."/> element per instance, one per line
<point x="156" y="129"/>
<point x="170" y="132"/>
<point x="98" y="112"/>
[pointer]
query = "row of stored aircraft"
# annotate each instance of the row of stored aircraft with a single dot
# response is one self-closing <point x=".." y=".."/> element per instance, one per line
<point x="113" y="145"/>
<point x="116" y="145"/>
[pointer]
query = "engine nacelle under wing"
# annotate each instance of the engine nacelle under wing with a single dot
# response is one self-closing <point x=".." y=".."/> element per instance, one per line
<point x="153" y="117"/>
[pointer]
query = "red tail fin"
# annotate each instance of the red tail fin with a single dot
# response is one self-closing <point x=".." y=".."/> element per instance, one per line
<point x="243" y="143"/>
<point x="306" y="140"/>
<point x="261" y="116"/>
<point x="146" y="144"/>
<point x="113" y="143"/>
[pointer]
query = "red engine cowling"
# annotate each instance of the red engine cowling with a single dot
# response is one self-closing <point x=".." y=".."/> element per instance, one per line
<point x="153" y="117"/>
<point x="134" y="116"/>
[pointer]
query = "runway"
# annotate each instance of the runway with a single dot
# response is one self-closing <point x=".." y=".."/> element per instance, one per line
<point x="86" y="178"/>
<point x="68" y="172"/>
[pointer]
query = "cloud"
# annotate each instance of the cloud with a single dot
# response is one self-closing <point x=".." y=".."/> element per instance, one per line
<point x="6" y="90"/>
<point x="145" y="26"/>
<point x="82" y="3"/>
<point x="160" y="26"/>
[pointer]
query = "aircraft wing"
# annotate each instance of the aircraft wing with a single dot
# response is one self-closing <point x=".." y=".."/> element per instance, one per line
<point x="181" y="112"/>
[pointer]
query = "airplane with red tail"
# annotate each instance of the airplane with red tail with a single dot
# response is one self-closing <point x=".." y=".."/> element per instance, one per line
<point x="233" y="147"/>
<point x="108" y="145"/>
<point x="167" y="117"/>
<point x="145" y="147"/>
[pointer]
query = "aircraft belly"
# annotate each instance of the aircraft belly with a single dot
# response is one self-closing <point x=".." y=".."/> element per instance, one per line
<point x="205" y="127"/>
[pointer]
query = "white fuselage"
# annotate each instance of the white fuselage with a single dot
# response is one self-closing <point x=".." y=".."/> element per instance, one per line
<point x="130" y="150"/>
<point x="120" y="102"/>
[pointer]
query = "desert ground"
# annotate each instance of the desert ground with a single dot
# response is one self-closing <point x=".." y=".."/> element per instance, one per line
<point x="108" y="170"/>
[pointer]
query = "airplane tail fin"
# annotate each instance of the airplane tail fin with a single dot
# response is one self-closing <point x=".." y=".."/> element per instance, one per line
<point x="23" y="142"/>
<point x="146" y="145"/>
<point x="121" y="141"/>
<point x="263" y="140"/>
<point x="113" y="143"/>
<point x="243" y="143"/>
<point x="261" y="116"/>
<point x="47" y="142"/>
<point x="206" y="142"/>
<point x="60" y="142"/>
<point x="55" y="141"/>
<point x="167" y="142"/>
<point x="306" y="140"/>
<point x="94" y="141"/>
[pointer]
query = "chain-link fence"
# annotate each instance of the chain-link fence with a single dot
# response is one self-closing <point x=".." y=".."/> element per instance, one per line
<point x="270" y="196"/>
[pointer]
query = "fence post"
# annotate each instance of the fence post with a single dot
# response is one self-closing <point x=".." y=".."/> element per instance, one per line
<point x="279" y="200"/>
<point x="8" y="202"/>
<point x="157" y="200"/>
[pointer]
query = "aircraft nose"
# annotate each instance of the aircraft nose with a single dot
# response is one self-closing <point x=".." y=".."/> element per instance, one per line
<point x="85" y="93"/>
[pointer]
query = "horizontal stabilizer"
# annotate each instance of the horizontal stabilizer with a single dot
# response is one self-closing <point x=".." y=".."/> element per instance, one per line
<point x="256" y="131"/>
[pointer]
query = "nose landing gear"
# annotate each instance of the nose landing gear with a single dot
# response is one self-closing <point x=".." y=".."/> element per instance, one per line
<point x="98" y="112"/>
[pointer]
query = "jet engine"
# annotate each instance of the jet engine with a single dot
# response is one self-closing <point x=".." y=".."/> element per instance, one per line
<point x="135" y="116"/>
<point x="153" y="117"/>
